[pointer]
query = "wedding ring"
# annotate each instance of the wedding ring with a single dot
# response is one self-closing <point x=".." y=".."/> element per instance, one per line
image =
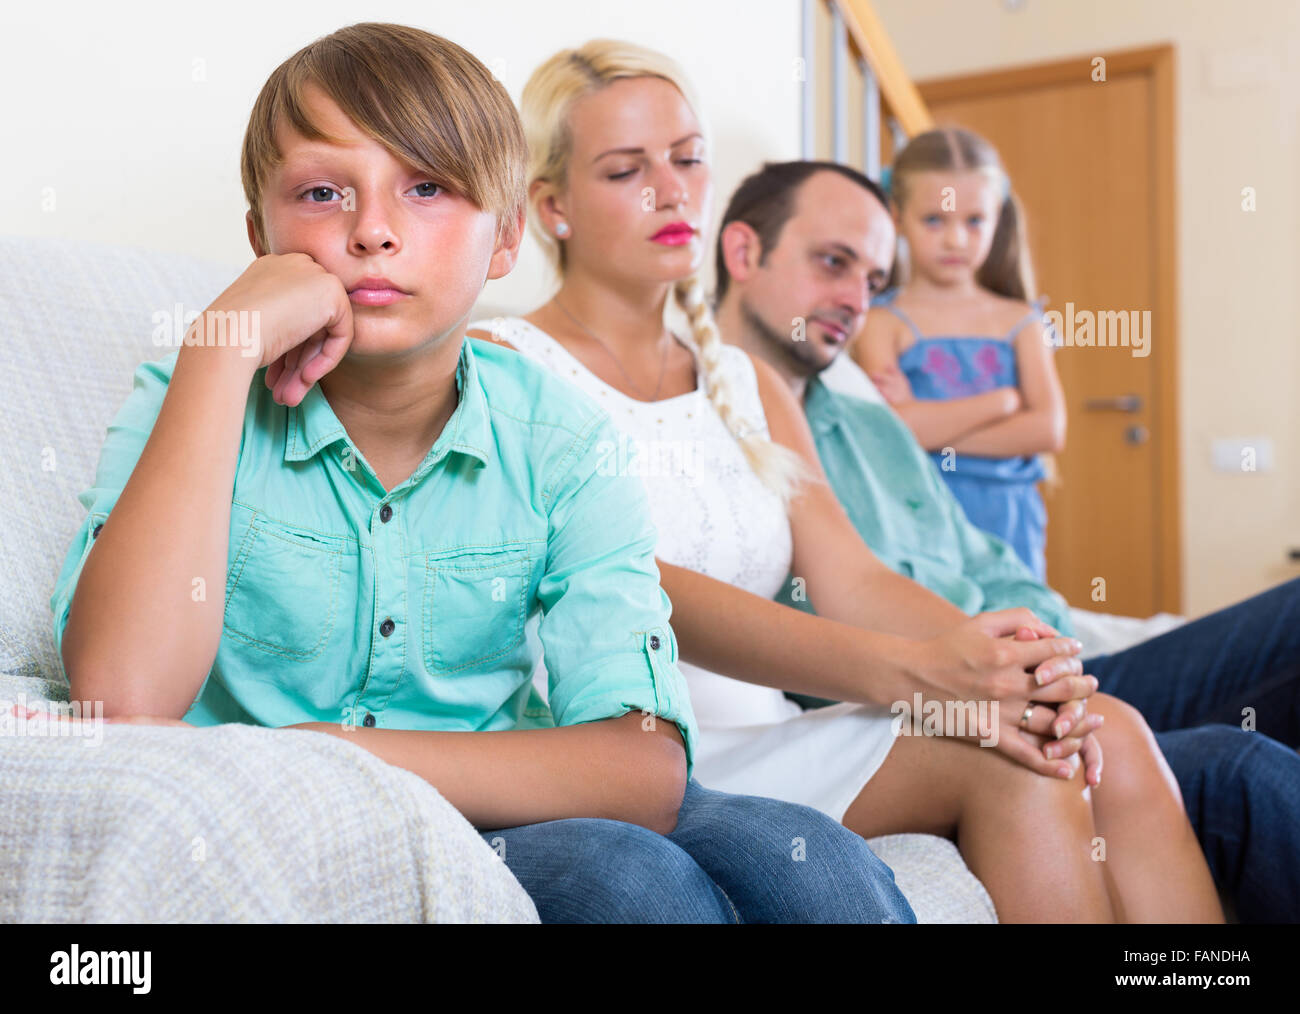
<point x="1029" y="713"/>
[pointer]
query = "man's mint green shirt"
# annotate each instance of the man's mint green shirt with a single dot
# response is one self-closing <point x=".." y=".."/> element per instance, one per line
<point x="905" y="513"/>
<point x="407" y="609"/>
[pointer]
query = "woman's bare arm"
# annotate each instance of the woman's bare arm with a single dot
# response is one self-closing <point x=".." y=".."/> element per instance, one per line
<point x="864" y="646"/>
<point x="843" y="578"/>
<point x="728" y="630"/>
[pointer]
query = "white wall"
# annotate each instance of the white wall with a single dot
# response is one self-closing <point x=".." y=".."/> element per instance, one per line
<point x="103" y="109"/>
<point x="1238" y="113"/>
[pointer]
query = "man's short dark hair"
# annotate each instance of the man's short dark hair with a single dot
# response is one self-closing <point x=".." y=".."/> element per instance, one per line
<point x="765" y="202"/>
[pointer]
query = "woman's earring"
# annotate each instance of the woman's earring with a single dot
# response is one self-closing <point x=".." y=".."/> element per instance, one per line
<point x="562" y="230"/>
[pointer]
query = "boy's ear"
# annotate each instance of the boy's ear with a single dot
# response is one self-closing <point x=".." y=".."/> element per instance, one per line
<point x="252" y="235"/>
<point x="741" y="249"/>
<point x="507" y="250"/>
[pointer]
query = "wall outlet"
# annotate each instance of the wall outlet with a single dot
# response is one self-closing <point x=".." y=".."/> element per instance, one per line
<point x="1244" y="68"/>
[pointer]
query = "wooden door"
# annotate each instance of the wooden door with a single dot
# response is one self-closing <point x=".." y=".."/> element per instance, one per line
<point x="1092" y="162"/>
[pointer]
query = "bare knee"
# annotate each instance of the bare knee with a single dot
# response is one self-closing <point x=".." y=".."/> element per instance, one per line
<point x="1133" y="769"/>
<point x="1026" y="797"/>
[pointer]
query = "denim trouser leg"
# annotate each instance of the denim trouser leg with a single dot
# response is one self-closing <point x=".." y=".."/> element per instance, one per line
<point x="731" y="858"/>
<point x="1209" y="670"/>
<point x="1242" y="793"/>
<point x="780" y="862"/>
<point x="587" y="870"/>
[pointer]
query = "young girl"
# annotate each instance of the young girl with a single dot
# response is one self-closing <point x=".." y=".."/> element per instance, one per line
<point x="961" y="353"/>
<point x="348" y="531"/>
<point x="621" y="192"/>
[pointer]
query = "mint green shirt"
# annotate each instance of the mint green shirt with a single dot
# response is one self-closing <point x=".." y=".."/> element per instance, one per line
<point x="407" y="609"/>
<point x="904" y="511"/>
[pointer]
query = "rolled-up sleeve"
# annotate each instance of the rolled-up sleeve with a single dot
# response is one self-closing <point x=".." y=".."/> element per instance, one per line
<point x="605" y="634"/>
<point x="127" y="435"/>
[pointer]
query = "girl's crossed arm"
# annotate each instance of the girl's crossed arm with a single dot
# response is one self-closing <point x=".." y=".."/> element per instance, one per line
<point x="936" y="424"/>
<point x="1039" y="427"/>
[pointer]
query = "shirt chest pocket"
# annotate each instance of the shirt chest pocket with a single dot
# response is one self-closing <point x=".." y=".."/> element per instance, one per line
<point x="284" y="591"/>
<point x="475" y="605"/>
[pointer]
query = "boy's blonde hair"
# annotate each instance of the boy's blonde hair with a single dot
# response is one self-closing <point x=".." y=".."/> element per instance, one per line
<point x="545" y="104"/>
<point x="431" y="103"/>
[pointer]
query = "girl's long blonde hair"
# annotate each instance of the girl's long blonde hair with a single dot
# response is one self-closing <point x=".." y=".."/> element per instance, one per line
<point x="544" y="107"/>
<point x="1007" y="269"/>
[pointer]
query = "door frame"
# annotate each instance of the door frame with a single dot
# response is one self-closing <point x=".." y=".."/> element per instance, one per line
<point x="1158" y="63"/>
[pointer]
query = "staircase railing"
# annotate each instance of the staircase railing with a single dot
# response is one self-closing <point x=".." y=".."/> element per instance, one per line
<point x="861" y="57"/>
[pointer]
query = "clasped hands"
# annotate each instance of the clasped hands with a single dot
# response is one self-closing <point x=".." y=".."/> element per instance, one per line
<point x="1035" y="677"/>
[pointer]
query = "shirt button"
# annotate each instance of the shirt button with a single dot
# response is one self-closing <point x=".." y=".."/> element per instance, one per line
<point x="368" y="721"/>
<point x="654" y="642"/>
<point x="385" y="512"/>
<point x="95" y="533"/>
<point x="387" y="627"/>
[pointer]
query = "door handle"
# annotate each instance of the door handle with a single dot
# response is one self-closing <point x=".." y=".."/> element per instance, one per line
<point x="1120" y="403"/>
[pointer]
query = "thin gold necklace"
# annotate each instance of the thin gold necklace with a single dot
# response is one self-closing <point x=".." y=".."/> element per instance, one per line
<point x="663" y="366"/>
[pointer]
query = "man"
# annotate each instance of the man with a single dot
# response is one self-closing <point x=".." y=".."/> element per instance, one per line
<point x="785" y="256"/>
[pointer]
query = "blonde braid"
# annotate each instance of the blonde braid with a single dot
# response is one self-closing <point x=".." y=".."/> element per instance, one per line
<point x="778" y="467"/>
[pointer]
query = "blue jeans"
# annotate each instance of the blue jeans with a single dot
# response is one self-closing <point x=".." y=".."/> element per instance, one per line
<point x="1242" y="793"/>
<point x="1245" y="656"/>
<point x="1241" y="788"/>
<point x="730" y="859"/>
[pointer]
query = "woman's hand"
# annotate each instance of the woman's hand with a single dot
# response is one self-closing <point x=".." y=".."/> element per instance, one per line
<point x="1011" y="657"/>
<point x="1040" y="731"/>
<point x="979" y="660"/>
<point x="1069" y="727"/>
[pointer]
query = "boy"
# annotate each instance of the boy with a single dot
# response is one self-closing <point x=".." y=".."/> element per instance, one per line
<point x="378" y="528"/>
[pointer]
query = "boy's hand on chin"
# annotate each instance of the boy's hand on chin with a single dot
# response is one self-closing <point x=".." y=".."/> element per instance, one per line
<point x="303" y="324"/>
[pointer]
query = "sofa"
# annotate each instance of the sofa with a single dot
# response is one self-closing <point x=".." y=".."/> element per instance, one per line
<point x="231" y="823"/>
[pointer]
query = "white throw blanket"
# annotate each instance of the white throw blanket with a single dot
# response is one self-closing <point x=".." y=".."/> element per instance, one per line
<point x="231" y="823"/>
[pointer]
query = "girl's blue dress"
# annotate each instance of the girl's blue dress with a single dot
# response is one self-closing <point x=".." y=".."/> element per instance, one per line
<point x="999" y="495"/>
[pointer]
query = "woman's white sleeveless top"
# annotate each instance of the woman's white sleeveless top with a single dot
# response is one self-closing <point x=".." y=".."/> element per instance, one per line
<point x="715" y="517"/>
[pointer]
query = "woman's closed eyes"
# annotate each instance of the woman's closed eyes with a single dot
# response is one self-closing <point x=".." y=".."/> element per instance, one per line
<point x="628" y="172"/>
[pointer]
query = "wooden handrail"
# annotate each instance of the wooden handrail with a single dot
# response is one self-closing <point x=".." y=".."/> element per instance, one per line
<point x="896" y="88"/>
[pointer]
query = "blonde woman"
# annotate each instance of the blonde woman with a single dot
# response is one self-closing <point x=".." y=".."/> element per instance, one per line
<point x="621" y="194"/>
